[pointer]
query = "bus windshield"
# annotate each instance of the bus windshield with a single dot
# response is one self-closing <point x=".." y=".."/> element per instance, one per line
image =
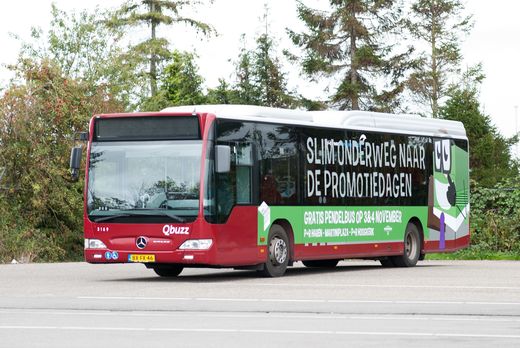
<point x="144" y="179"/>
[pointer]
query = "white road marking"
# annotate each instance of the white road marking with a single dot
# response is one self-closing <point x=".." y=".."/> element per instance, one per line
<point x="254" y="331"/>
<point x="387" y="286"/>
<point x="370" y="317"/>
<point x="276" y="300"/>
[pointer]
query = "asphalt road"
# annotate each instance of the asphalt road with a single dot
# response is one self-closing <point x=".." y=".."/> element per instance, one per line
<point x="359" y="303"/>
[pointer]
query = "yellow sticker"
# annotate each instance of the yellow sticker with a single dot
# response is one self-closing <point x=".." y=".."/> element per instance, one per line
<point x="141" y="258"/>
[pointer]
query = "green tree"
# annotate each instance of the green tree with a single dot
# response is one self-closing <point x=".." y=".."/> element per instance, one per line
<point x="245" y="86"/>
<point x="84" y="49"/>
<point x="438" y="24"/>
<point x="260" y="79"/>
<point x="40" y="208"/>
<point x="222" y="94"/>
<point x="153" y="13"/>
<point x="270" y="81"/>
<point x="181" y="84"/>
<point x="490" y="156"/>
<point x="312" y="105"/>
<point x="351" y="44"/>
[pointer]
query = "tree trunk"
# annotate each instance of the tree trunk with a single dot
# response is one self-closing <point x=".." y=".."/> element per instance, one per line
<point x="153" y="58"/>
<point x="353" y="71"/>
<point x="435" y="69"/>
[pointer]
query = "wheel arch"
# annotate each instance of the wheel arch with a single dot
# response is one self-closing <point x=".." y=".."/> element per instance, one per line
<point x="415" y="220"/>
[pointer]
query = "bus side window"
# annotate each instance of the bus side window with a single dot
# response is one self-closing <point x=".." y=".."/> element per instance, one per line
<point x="287" y="178"/>
<point x="279" y="177"/>
<point x="268" y="189"/>
<point x="244" y="164"/>
<point x="235" y="187"/>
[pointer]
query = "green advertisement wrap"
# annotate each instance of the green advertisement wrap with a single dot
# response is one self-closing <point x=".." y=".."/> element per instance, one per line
<point x="448" y="214"/>
<point x="340" y="225"/>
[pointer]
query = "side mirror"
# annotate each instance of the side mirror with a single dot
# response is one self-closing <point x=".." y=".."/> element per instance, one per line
<point x="83" y="136"/>
<point x="222" y="158"/>
<point x="75" y="162"/>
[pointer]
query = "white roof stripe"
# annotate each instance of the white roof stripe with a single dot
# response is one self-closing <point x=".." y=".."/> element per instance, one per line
<point x="357" y="120"/>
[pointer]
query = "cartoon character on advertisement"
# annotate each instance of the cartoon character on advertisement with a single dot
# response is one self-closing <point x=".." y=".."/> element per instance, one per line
<point x="448" y="198"/>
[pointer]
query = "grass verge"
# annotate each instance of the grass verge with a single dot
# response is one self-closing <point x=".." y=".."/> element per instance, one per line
<point x="472" y="254"/>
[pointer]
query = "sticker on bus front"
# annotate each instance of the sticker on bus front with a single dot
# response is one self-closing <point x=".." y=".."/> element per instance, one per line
<point x="265" y="211"/>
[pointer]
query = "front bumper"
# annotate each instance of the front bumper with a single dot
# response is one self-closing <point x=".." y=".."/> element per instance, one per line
<point x="126" y="256"/>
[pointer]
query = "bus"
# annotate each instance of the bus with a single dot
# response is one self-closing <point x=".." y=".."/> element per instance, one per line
<point x="247" y="187"/>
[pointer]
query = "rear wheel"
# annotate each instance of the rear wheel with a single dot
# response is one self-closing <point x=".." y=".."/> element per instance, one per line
<point x="278" y="252"/>
<point x="168" y="270"/>
<point x="412" y="248"/>
<point x="320" y="263"/>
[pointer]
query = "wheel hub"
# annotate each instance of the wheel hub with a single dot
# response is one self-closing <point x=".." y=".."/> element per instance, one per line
<point x="278" y="251"/>
<point x="410" y="246"/>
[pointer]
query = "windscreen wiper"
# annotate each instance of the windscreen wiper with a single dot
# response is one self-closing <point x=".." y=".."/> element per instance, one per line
<point x="155" y="213"/>
<point x="110" y="217"/>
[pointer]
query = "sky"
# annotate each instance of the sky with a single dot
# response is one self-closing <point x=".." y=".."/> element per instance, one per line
<point x="494" y="41"/>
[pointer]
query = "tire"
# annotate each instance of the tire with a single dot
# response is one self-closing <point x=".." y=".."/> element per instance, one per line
<point x="169" y="271"/>
<point x="412" y="248"/>
<point x="320" y="263"/>
<point x="387" y="262"/>
<point x="278" y="252"/>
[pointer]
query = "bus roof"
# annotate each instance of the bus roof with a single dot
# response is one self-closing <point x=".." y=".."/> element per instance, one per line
<point x="359" y="120"/>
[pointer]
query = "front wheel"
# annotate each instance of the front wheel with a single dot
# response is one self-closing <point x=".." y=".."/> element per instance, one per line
<point x="412" y="248"/>
<point x="168" y="270"/>
<point x="278" y="253"/>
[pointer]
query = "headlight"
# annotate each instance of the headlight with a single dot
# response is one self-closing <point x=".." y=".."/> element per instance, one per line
<point x="196" y="244"/>
<point x="94" y="244"/>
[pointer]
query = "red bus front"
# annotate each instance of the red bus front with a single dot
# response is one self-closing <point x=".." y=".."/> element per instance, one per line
<point x="146" y="193"/>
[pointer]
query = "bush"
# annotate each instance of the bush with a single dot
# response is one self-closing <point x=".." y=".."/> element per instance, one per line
<point x="495" y="217"/>
<point x="40" y="208"/>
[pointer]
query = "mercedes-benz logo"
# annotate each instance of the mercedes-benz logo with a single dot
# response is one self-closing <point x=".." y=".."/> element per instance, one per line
<point x="141" y="242"/>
